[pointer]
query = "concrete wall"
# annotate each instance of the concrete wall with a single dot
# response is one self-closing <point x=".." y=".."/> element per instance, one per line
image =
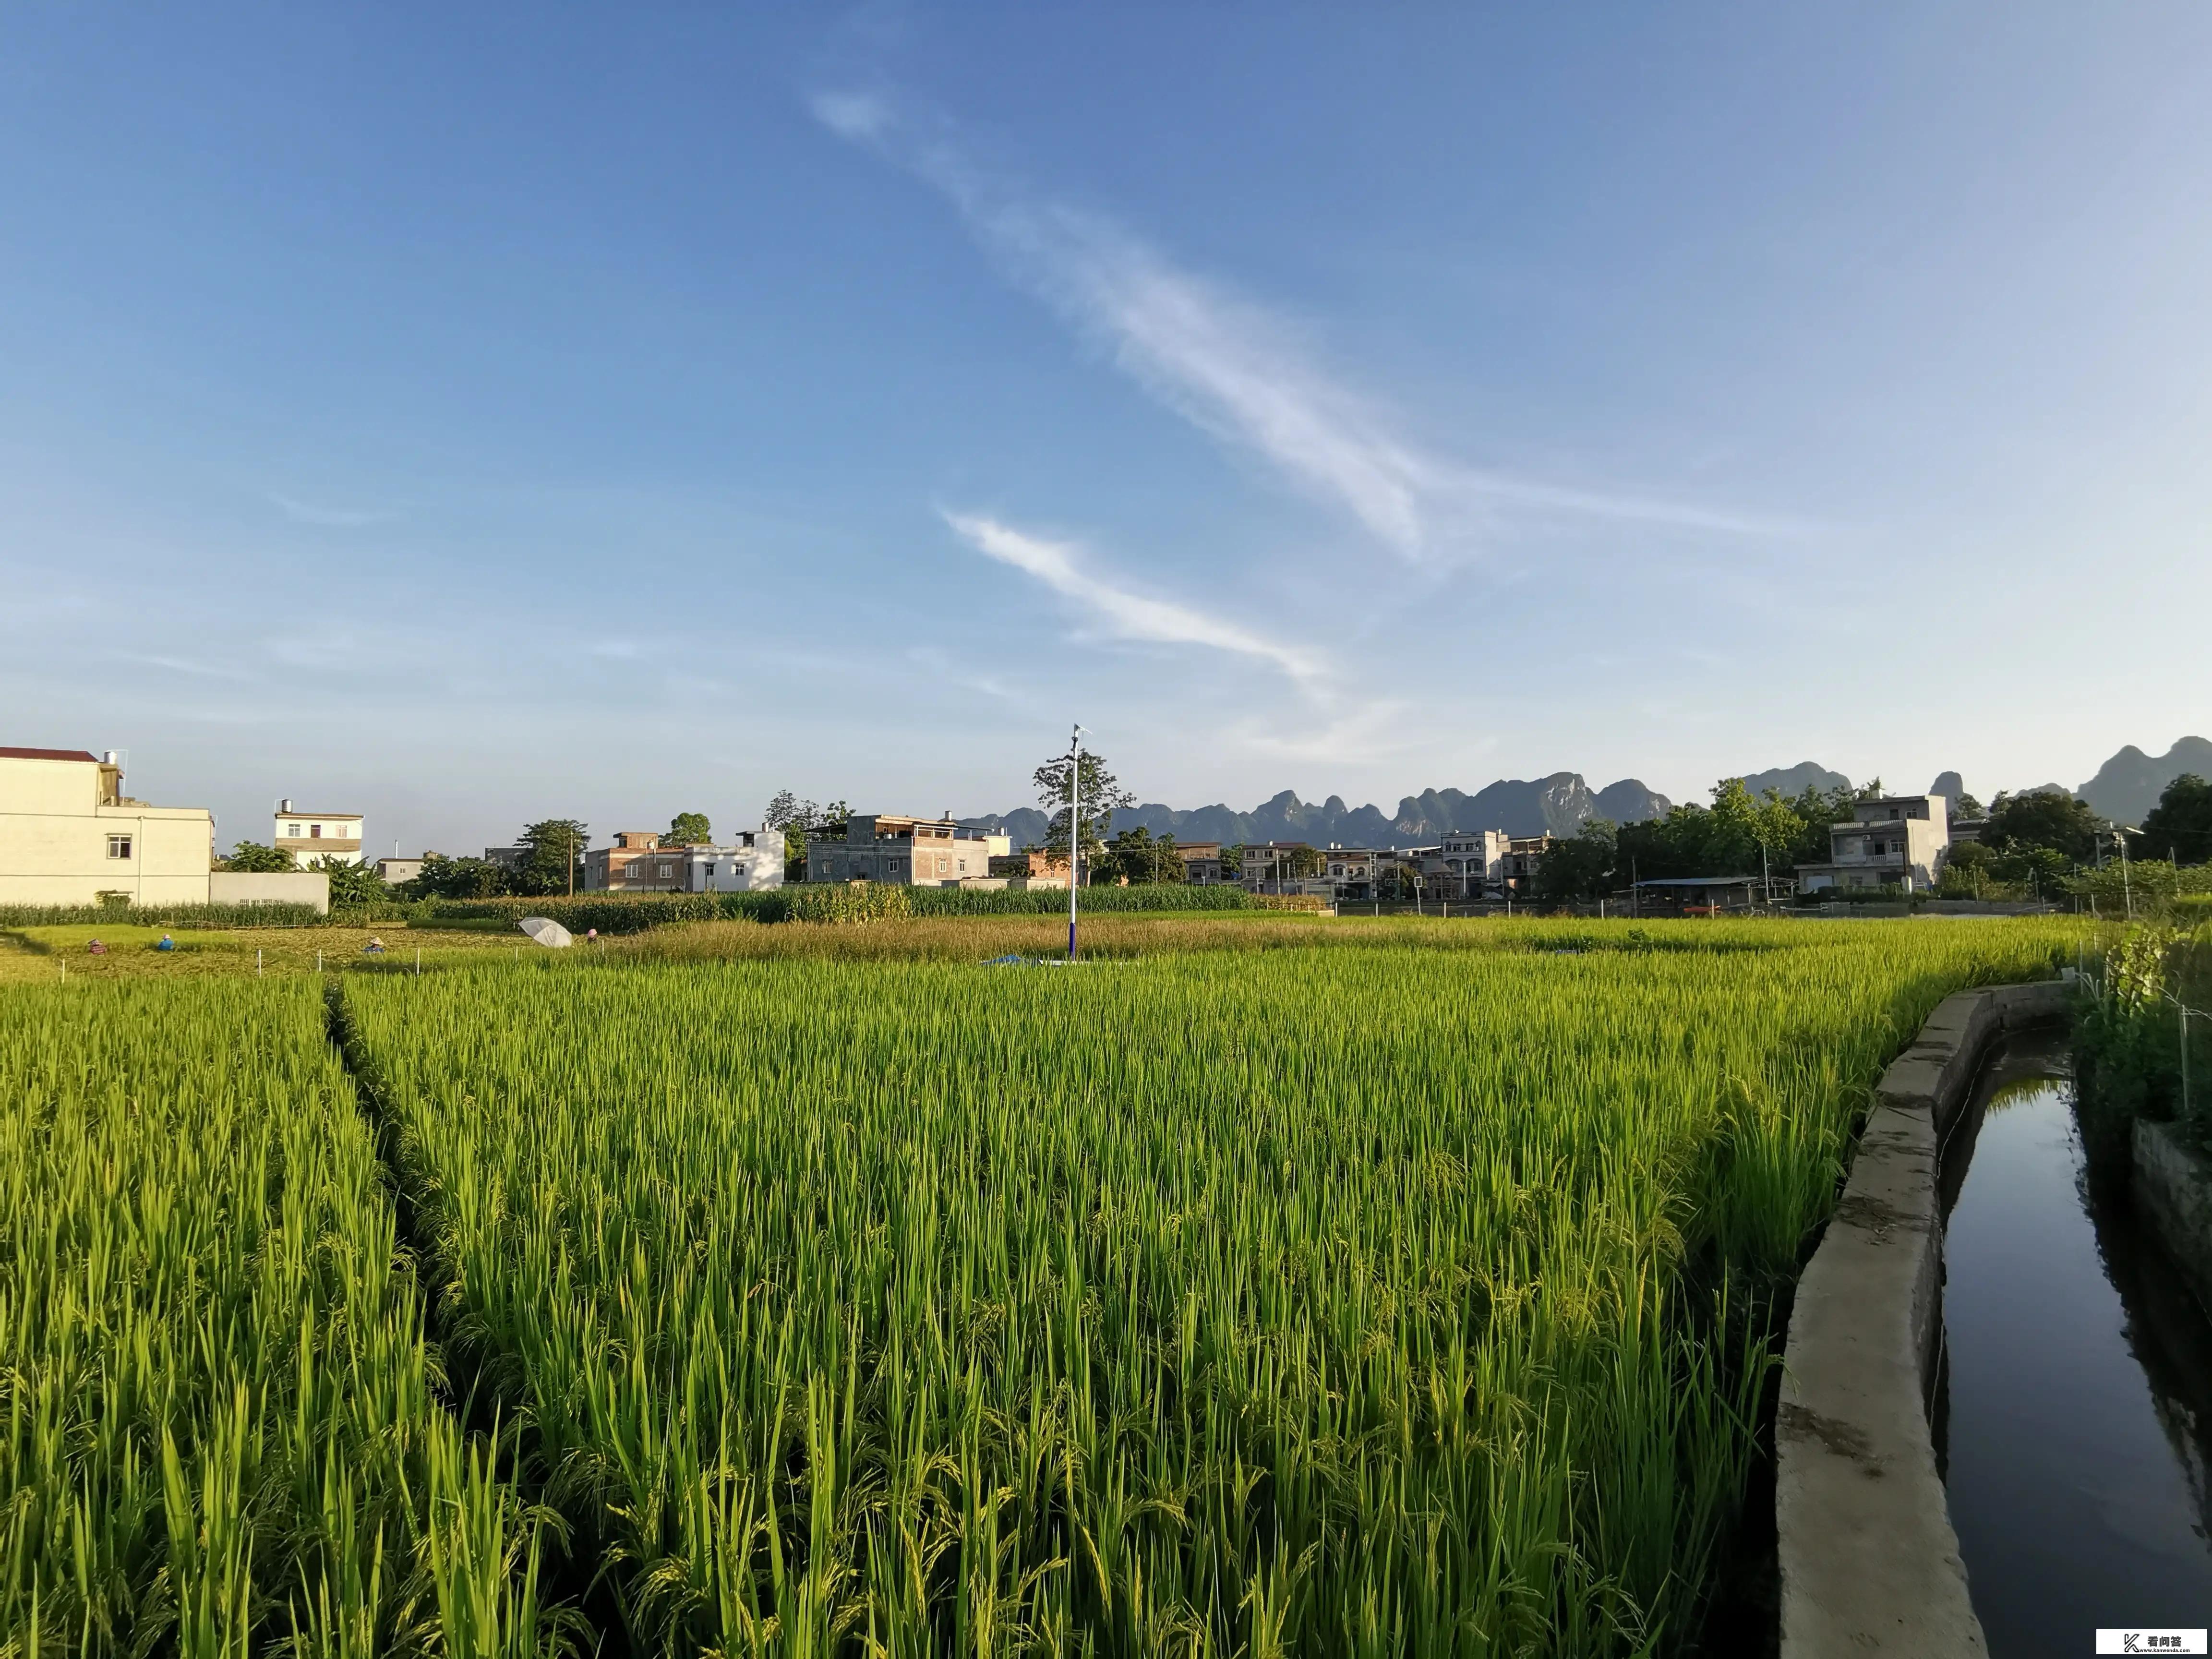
<point x="273" y="887"/>
<point x="2172" y="1188"/>
<point x="55" y="846"/>
<point x="1869" y="1564"/>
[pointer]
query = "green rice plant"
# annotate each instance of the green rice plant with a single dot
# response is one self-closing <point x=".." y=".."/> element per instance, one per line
<point x="1374" y="1298"/>
<point x="1167" y="898"/>
<point x="160" y="915"/>
<point x="832" y="901"/>
<point x="221" y="1427"/>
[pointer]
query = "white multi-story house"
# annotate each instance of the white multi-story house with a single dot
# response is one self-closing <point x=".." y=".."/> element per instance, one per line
<point x="1351" y="871"/>
<point x="752" y="863"/>
<point x="311" y="835"/>
<point x="1896" y="841"/>
<point x="1268" y="867"/>
<point x="1466" y="865"/>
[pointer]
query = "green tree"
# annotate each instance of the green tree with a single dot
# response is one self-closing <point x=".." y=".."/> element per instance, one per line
<point x="2180" y="826"/>
<point x="1140" y="856"/>
<point x="459" y="878"/>
<point x="1749" y="833"/>
<point x="1579" y="867"/>
<point x="689" y="829"/>
<point x="791" y="814"/>
<point x="1232" y="862"/>
<point x="351" y="883"/>
<point x="2046" y="819"/>
<point x="1102" y="796"/>
<point x="251" y="856"/>
<point x="553" y="850"/>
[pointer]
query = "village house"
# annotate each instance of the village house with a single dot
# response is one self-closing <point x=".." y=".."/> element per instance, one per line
<point x="1523" y="854"/>
<point x="69" y="836"/>
<point x="638" y="862"/>
<point x="1896" y="841"/>
<point x="630" y="863"/>
<point x="308" y="837"/>
<point x="1467" y="865"/>
<point x="1030" y="869"/>
<point x="1267" y="866"/>
<point x="1351" y="873"/>
<point x="1201" y="862"/>
<point x="915" y="852"/>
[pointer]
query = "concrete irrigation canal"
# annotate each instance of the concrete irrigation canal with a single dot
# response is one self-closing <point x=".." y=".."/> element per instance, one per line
<point x="1996" y="1406"/>
<point x="2079" y="1402"/>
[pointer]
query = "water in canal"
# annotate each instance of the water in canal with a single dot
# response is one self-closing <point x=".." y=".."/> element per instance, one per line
<point x="2078" y="1397"/>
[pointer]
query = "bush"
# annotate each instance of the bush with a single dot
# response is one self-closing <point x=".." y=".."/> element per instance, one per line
<point x="2150" y="888"/>
<point x="2128" y="1059"/>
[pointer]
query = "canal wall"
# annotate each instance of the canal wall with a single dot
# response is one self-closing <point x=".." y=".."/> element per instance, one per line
<point x="1869" y="1564"/>
<point x="2173" y="1189"/>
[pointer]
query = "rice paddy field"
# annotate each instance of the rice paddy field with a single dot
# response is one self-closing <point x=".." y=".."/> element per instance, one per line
<point x="1403" y="1289"/>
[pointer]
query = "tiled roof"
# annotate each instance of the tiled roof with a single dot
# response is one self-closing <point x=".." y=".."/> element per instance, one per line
<point x="48" y="754"/>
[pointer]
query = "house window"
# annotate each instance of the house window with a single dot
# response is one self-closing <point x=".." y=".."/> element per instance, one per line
<point x="314" y="832"/>
<point x="119" y="847"/>
<point x="294" y="831"/>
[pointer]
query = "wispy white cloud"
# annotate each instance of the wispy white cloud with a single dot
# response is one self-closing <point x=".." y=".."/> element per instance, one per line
<point x="1122" y="613"/>
<point x="184" y="665"/>
<point x="1370" y="731"/>
<point x="335" y="518"/>
<point x="953" y="673"/>
<point x="1239" y="371"/>
<point x="857" y="115"/>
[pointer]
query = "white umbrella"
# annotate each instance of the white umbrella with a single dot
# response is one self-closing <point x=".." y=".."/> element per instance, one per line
<point x="547" y="932"/>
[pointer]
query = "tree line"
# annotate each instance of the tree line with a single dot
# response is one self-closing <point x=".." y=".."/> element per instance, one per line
<point x="2032" y="841"/>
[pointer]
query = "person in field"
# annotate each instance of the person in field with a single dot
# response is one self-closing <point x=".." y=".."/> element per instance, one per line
<point x="374" y="947"/>
<point x="165" y="944"/>
<point x="96" y="948"/>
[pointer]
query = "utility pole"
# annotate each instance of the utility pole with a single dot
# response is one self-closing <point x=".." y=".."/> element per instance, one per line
<point x="1074" y="828"/>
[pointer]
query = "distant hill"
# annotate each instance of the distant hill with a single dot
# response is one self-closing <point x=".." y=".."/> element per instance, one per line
<point x="2129" y="785"/>
<point x="1519" y="806"/>
<point x="1792" y="781"/>
<point x="2126" y="787"/>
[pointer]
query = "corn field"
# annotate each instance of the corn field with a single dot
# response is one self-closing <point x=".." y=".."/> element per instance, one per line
<point x="1316" y="1301"/>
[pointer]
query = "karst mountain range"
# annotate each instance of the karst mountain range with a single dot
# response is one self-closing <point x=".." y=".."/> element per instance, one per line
<point x="2125" y="789"/>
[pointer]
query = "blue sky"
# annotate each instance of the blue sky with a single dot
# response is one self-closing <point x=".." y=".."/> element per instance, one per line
<point x="468" y="415"/>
